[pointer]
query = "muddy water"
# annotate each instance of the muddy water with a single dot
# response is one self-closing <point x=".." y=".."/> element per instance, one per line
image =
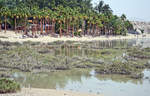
<point x="85" y="80"/>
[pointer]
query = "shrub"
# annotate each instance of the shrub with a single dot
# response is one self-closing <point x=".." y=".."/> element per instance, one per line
<point x="8" y="86"/>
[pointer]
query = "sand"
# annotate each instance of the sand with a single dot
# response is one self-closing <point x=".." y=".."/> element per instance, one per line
<point x="47" y="92"/>
<point x="12" y="37"/>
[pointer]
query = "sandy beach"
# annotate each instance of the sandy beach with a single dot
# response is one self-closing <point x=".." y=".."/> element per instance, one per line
<point x="12" y="37"/>
<point x="47" y="92"/>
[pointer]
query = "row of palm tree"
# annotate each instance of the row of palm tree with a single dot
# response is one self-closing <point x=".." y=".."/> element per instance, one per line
<point x="65" y="20"/>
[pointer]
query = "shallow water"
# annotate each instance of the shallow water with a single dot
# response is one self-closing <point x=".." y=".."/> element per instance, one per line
<point x="85" y="80"/>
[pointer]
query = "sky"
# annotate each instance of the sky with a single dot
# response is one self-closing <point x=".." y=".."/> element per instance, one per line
<point x="138" y="10"/>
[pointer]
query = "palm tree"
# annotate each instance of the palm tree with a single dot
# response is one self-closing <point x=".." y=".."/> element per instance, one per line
<point x="35" y="14"/>
<point x="74" y="20"/>
<point x="73" y="14"/>
<point x="40" y="17"/>
<point x="54" y="18"/>
<point x="123" y="17"/>
<point x="68" y="17"/>
<point x="1" y="5"/>
<point x="15" y="12"/>
<point x="61" y="18"/>
<point x="5" y="12"/>
<point x="0" y="22"/>
<point x="48" y="18"/>
<point x="103" y="8"/>
<point x="25" y="14"/>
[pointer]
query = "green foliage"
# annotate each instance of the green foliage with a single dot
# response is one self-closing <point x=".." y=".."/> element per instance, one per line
<point x="77" y="33"/>
<point x="72" y="13"/>
<point x="8" y="86"/>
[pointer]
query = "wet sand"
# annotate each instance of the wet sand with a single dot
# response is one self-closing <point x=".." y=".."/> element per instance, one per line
<point x="12" y="37"/>
<point x="47" y="92"/>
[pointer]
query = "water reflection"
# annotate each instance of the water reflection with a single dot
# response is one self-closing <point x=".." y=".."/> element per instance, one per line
<point x="86" y="81"/>
<point x="119" y="79"/>
<point x="51" y="80"/>
<point x="84" y="49"/>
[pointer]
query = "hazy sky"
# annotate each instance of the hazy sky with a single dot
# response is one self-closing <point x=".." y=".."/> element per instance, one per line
<point x="134" y="9"/>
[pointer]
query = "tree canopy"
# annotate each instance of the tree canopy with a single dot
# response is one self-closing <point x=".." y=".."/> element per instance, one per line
<point x="67" y="16"/>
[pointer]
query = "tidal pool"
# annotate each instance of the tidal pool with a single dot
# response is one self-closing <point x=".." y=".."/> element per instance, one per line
<point x="86" y="81"/>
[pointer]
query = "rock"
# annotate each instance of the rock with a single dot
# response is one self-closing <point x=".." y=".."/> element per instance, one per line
<point x="44" y="51"/>
<point x="137" y="75"/>
<point x="146" y="77"/>
<point x="147" y="64"/>
<point x="106" y="52"/>
<point x="100" y="61"/>
<point x="5" y="75"/>
<point x="94" y="61"/>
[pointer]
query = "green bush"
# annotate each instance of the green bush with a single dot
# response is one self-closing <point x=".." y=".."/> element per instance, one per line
<point x="8" y="86"/>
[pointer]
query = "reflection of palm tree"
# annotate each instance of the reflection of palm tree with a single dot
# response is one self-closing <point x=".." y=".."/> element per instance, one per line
<point x="55" y="79"/>
<point x="119" y="78"/>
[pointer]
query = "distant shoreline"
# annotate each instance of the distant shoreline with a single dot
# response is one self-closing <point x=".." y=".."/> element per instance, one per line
<point x="10" y="36"/>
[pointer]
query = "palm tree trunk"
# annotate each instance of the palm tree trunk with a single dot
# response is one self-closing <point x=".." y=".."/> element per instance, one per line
<point x="53" y="27"/>
<point x="41" y="26"/>
<point x="25" y="32"/>
<point x="0" y="27"/>
<point x="73" y="31"/>
<point x="96" y="30"/>
<point x="5" y="24"/>
<point x="93" y="30"/>
<point x="99" y="31"/>
<point x="67" y="27"/>
<point x="49" y="22"/>
<point x="36" y="20"/>
<point x="33" y="28"/>
<point x="45" y="26"/>
<point x="15" y="25"/>
<point x="82" y="32"/>
<point x="90" y="29"/>
<point x="60" y="30"/>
